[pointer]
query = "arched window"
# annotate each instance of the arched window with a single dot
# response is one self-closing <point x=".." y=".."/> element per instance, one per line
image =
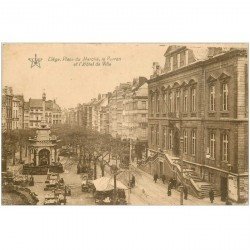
<point x="185" y="100"/>
<point x="152" y="134"/>
<point x="171" y="104"/>
<point x="165" y="105"/>
<point x="225" y="147"/>
<point x="170" y="141"/>
<point x="212" y="98"/>
<point x="225" y="97"/>
<point x="164" y="137"/>
<point x="152" y="103"/>
<point x="193" y="99"/>
<point x="157" y="102"/>
<point x="157" y="135"/>
<point x="212" y="144"/>
<point x="193" y="142"/>
<point x="185" y="141"/>
<point x="177" y="101"/>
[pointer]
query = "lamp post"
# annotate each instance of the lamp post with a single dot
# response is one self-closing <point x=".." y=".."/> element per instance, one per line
<point x="115" y="172"/>
<point x="181" y="165"/>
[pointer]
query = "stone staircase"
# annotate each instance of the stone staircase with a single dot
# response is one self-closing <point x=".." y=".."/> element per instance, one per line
<point x="197" y="186"/>
<point x="204" y="187"/>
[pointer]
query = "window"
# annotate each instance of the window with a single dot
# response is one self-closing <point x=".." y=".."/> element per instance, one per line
<point x="185" y="100"/>
<point x="171" y="63"/>
<point x="163" y="137"/>
<point x="170" y="142"/>
<point x="193" y="142"/>
<point x="157" y="103"/>
<point x="165" y="102"/>
<point x="225" y="97"/>
<point x="212" y="98"/>
<point x="157" y="135"/>
<point x="143" y="104"/>
<point x="152" y="103"/>
<point x="185" y="142"/>
<point x="225" y="147"/>
<point x="177" y="101"/>
<point x="186" y="57"/>
<point x="193" y="101"/>
<point x="212" y="145"/>
<point x="171" y="102"/>
<point x="178" y="60"/>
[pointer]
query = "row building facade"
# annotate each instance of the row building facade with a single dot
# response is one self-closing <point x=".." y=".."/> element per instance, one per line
<point x="198" y="119"/>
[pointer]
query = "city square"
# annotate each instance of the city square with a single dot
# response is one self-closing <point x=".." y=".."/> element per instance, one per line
<point x="178" y="136"/>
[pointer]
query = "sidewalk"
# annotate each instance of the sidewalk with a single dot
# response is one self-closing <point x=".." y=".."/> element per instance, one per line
<point x="156" y="193"/>
<point x="147" y="192"/>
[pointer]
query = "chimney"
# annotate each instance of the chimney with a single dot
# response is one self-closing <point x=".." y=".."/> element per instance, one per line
<point x="156" y="68"/>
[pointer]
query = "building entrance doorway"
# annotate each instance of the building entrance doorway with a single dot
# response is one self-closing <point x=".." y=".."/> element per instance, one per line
<point x="44" y="156"/>
<point x="223" y="188"/>
<point x="176" y="143"/>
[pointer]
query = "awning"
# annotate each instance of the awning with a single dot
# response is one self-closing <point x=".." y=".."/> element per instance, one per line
<point x="107" y="184"/>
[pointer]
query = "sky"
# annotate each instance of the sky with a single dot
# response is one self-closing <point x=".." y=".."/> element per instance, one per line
<point x="65" y="74"/>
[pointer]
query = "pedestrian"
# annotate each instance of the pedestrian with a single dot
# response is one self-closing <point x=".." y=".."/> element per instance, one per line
<point x="133" y="181"/>
<point x="174" y="181"/>
<point x="185" y="191"/>
<point x="228" y="202"/>
<point x="211" y="195"/>
<point x="155" y="177"/>
<point x="169" y="190"/>
<point x="163" y="177"/>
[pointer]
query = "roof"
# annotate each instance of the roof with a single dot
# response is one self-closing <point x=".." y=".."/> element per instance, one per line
<point x="38" y="103"/>
<point x="107" y="184"/>
<point x="26" y="105"/>
<point x="35" y="103"/>
<point x="200" y="63"/>
<point x="200" y="52"/>
<point x="20" y="97"/>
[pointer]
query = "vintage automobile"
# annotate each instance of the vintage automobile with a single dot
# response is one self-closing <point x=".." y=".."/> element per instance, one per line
<point x="55" y="198"/>
<point x="53" y="184"/>
<point x="51" y="199"/>
<point x="52" y="176"/>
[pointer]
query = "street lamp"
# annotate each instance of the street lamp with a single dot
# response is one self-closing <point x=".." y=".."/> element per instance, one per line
<point x="181" y="165"/>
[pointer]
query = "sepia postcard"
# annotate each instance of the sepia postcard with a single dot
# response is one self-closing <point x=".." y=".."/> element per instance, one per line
<point x="124" y="124"/>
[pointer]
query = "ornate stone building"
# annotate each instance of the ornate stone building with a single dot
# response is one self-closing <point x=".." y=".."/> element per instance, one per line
<point x="198" y="119"/>
<point x="43" y="148"/>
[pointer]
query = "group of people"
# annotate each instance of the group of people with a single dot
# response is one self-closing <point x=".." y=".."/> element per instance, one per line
<point x="172" y="184"/>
